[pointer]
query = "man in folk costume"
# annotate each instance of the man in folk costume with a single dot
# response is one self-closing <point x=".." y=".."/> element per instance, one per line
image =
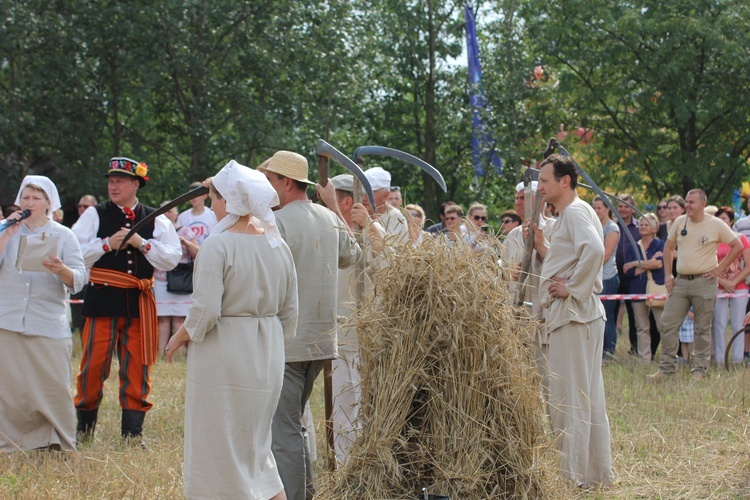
<point x="321" y="243"/>
<point x="119" y="304"/>
<point x="571" y="276"/>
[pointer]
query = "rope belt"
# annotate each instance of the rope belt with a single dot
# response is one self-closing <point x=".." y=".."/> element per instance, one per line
<point x="146" y="306"/>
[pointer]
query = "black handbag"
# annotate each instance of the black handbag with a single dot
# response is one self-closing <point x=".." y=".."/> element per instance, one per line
<point x="180" y="279"/>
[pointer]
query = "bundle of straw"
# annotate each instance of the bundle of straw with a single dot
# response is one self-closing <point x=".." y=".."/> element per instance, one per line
<point x="450" y="395"/>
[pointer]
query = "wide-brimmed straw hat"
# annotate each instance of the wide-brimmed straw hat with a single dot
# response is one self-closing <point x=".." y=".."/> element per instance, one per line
<point x="288" y="164"/>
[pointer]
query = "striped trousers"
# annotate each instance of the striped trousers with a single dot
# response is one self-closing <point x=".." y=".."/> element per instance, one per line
<point x="102" y="338"/>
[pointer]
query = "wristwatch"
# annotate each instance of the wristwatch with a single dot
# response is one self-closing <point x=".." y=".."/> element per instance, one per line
<point x="145" y="247"/>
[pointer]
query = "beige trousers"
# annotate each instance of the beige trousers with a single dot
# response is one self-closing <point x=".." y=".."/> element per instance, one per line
<point x="701" y="294"/>
<point x="577" y="404"/>
<point x="643" y="328"/>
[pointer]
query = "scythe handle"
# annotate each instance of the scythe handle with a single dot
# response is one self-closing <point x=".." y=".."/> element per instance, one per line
<point x="323" y="170"/>
<point x="528" y="252"/>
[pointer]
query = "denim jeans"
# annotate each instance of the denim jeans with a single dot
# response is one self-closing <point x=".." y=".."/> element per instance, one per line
<point x="610" y="286"/>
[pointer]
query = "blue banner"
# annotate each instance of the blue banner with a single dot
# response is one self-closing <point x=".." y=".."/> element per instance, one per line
<point x="483" y="152"/>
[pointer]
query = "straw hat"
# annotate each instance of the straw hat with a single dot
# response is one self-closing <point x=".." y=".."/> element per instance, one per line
<point x="288" y="164"/>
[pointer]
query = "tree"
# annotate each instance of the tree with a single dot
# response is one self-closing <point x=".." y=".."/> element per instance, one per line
<point x="662" y="87"/>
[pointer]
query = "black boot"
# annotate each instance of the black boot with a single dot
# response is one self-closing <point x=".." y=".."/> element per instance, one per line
<point x="132" y="425"/>
<point x="86" y="425"/>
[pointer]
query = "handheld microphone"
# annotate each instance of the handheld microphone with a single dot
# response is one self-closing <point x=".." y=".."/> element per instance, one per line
<point x="24" y="215"/>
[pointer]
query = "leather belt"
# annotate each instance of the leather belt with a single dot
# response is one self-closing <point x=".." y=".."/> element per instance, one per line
<point x="689" y="277"/>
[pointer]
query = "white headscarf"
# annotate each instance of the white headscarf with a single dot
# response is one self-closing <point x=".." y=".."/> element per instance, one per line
<point x="49" y="188"/>
<point x="247" y="192"/>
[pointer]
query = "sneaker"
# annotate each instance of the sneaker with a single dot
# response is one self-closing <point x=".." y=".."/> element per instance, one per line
<point x="659" y="376"/>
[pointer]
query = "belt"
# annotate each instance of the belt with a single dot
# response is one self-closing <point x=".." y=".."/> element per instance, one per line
<point x="689" y="277"/>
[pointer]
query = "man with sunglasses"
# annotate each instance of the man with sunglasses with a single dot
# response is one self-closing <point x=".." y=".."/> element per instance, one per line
<point x="85" y="202"/>
<point x="509" y="220"/>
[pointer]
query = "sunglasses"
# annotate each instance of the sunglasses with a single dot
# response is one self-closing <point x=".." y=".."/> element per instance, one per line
<point x="662" y="207"/>
<point x="479" y="217"/>
<point x="452" y="218"/>
<point x="507" y="221"/>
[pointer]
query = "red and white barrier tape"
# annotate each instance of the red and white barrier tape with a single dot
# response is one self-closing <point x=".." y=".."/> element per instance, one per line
<point x="643" y="296"/>
<point x="79" y="301"/>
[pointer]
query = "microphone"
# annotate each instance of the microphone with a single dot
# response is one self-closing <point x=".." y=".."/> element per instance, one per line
<point x="24" y="215"/>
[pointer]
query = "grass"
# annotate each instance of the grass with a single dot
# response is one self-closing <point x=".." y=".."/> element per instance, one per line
<point x="680" y="439"/>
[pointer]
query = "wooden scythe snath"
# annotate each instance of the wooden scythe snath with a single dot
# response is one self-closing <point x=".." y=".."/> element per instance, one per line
<point x="528" y="247"/>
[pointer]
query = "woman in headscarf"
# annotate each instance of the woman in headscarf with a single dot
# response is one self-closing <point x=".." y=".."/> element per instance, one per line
<point x="244" y="305"/>
<point x="36" y="410"/>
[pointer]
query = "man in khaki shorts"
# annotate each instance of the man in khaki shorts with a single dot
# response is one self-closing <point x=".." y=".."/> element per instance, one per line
<point x="695" y="236"/>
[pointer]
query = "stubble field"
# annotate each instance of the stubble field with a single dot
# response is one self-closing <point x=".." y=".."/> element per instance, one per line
<point x="680" y="439"/>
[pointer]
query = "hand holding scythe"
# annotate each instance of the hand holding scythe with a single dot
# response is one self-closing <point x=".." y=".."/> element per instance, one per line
<point x="529" y="241"/>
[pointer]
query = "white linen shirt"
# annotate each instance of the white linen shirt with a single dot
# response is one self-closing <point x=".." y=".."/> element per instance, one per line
<point x="165" y="251"/>
<point x="33" y="303"/>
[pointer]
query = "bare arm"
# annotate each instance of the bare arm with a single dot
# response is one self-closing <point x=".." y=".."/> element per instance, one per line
<point x="669" y="249"/>
<point x="735" y="250"/>
<point x="610" y="244"/>
<point x="745" y="270"/>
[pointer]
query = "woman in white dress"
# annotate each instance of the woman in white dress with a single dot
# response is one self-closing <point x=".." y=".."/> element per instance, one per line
<point x="36" y="409"/>
<point x="244" y="304"/>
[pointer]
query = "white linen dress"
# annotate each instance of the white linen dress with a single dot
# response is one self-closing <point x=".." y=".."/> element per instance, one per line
<point x="244" y="304"/>
<point x="36" y="409"/>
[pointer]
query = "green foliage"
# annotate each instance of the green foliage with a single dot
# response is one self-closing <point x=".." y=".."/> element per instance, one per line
<point x="185" y="86"/>
<point x="660" y="85"/>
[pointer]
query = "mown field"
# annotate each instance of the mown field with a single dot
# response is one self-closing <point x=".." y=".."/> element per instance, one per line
<point x="681" y="439"/>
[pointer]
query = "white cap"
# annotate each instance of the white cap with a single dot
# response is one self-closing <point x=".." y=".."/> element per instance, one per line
<point x="379" y="178"/>
<point x="47" y="185"/>
<point x="248" y="192"/>
<point x="519" y="186"/>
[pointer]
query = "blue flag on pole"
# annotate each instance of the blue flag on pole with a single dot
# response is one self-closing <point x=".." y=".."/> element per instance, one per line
<point x="482" y="143"/>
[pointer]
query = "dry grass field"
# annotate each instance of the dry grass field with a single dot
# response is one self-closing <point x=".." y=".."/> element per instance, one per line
<point x="676" y="440"/>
